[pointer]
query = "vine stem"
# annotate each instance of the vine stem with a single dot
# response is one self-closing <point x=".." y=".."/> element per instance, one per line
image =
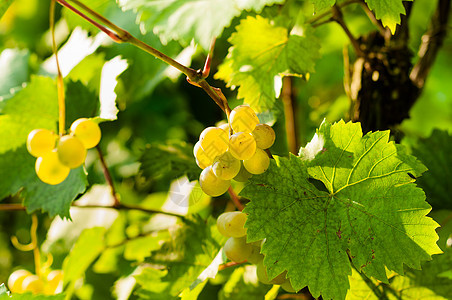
<point x="338" y="18"/>
<point x="107" y="176"/>
<point x="235" y="199"/>
<point x="60" y="83"/>
<point x="289" y="114"/>
<point x="119" y="35"/>
<point x="34" y="242"/>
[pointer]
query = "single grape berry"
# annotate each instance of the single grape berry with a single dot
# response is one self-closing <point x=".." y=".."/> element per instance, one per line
<point x="33" y="284"/>
<point x="214" y="141"/>
<point x="231" y="224"/>
<point x="15" y="280"/>
<point x="226" y="166"/>
<point x="243" y="119"/>
<point x="258" y="163"/>
<point x="202" y="160"/>
<point x="40" y="141"/>
<point x="242" y="145"/>
<point x="243" y="174"/>
<point x="87" y="131"/>
<point x="262" y="276"/>
<point x="50" y="170"/>
<point x="264" y="136"/>
<point x="287" y="286"/>
<point x="236" y="249"/>
<point x="211" y="184"/>
<point x="54" y="282"/>
<point x="71" y="151"/>
<point x="256" y="256"/>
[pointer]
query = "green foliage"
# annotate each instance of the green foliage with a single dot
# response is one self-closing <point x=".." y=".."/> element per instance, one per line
<point x="436" y="153"/>
<point x="388" y="11"/>
<point x="14" y="66"/>
<point x="261" y="54"/>
<point x="29" y="296"/>
<point x="4" y="6"/>
<point x="80" y="102"/>
<point x="367" y="210"/>
<point x="183" y="20"/>
<point x="322" y="4"/>
<point x="169" y="161"/>
<point x="243" y="285"/>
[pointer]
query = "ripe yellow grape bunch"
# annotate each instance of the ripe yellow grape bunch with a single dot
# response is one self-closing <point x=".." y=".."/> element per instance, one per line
<point x="236" y="249"/>
<point x="22" y="281"/>
<point x="57" y="155"/>
<point x="224" y="156"/>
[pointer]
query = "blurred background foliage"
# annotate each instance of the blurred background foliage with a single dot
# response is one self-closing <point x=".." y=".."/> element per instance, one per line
<point x="159" y="109"/>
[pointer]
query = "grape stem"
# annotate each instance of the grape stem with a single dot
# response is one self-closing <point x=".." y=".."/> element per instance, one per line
<point x="119" y="35"/>
<point x="235" y="199"/>
<point x="107" y="176"/>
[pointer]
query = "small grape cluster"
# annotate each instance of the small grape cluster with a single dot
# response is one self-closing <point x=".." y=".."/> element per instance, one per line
<point x="57" y="155"/>
<point x="231" y="224"/>
<point x="233" y="151"/>
<point x="22" y="281"/>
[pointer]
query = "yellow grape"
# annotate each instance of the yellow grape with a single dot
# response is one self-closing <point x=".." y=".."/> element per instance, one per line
<point x="54" y="282"/>
<point x="236" y="249"/>
<point x="226" y="166"/>
<point x="264" y="136"/>
<point x="33" y="284"/>
<point x="50" y="170"/>
<point x="202" y="160"/>
<point x="243" y="174"/>
<point x="214" y="141"/>
<point x="15" y="280"/>
<point x="287" y="286"/>
<point x="40" y="141"/>
<point x="87" y="131"/>
<point x="71" y="151"/>
<point x="242" y="145"/>
<point x="258" y="163"/>
<point x="243" y="119"/>
<point x="225" y="127"/>
<point x="231" y="224"/>
<point x="211" y="184"/>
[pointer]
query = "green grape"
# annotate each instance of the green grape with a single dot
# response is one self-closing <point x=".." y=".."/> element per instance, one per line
<point x="236" y="249"/>
<point x="50" y="170"/>
<point x="264" y="136"/>
<point x="243" y="174"/>
<point x="71" y="151"/>
<point x="231" y="224"/>
<point x="15" y="280"/>
<point x="33" y="284"/>
<point x="256" y="256"/>
<point x="258" y="163"/>
<point x="211" y="184"/>
<point x="40" y="141"/>
<point x="287" y="286"/>
<point x="242" y="145"/>
<point x="202" y="160"/>
<point x="87" y="131"/>
<point x="214" y="141"/>
<point x="54" y="282"/>
<point x="262" y="276"/>
<point x="243" y="119"/>
<point x="226" y="166"/>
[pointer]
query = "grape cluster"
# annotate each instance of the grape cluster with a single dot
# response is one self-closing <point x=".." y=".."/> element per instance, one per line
<point x="22" y="281"/>
<point x="231" y="224"/>
<point x="233" y="151"/>
<point x="57" y="155"/>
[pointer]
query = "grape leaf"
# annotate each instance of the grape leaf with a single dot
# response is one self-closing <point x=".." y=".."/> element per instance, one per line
<point x="33" y="107"/>
<point x="436" y="153"/>
<point x="260" y="54"/>
<point x="388" y="11"/>
<point x="87" y="248"/>
<point x="14" y="66"/>
<point x="80" y="102"/>
<point x="368" y="210"/>
<point x="169" y="161"/>
<point x="243" y="285"/>
<point x="322" y="4"/>
<point x="184" y="20"/>
<point x="4" y="6"/>
<point x="191" y="249"/>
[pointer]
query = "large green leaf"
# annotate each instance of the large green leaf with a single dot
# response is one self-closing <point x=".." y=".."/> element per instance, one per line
<point x="33" y="107"/>
<point x="184" y="20"/>
<point x="388" y="11"/>
<point x="322" y="4"/>
<point x="436" y="153"/>
<point x="261" y="54"/>
<point x="14" y="66"/>
<point x="4" y="6"/>
<point x="354" y="201"/>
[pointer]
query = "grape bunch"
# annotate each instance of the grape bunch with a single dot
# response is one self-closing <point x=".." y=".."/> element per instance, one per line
<point x="233" y="151"/>
<point x="22" y="281"/>
<point x="57" y="155"/>
<point x="232" y="225"/>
